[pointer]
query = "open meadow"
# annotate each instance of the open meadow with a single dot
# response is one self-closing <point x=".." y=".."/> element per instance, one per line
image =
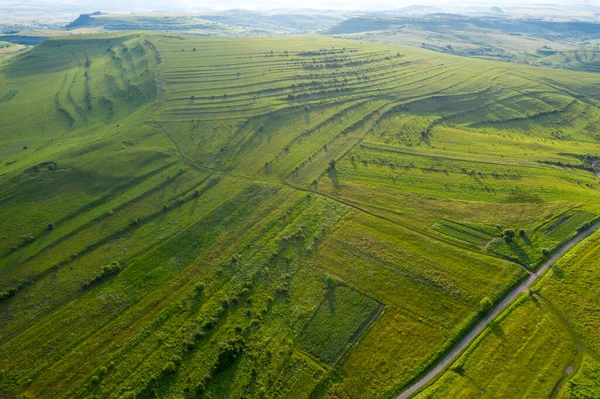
<point x="293" y="217"/>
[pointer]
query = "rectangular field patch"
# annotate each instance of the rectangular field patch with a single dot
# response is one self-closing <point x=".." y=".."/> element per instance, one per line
<point x="337" y="321"/>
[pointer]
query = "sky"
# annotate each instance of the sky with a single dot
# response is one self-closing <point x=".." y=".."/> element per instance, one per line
<point x="87" y="6"/>
<point x="275" y="4"/>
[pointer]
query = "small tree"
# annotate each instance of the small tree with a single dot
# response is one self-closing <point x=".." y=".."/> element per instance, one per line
<point x="485" y="305"/>
<point x="169" y="368"/>
<point x="332" y="164"/>
<point x="51" y="226"/>
<point x="545" y="251"/>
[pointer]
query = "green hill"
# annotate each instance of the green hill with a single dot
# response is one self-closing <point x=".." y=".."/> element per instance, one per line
<point x="295" y="217"/>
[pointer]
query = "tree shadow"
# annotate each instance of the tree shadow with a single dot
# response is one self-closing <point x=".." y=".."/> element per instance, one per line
<point x="332" y="173"/>
<point x="497" y="330"/>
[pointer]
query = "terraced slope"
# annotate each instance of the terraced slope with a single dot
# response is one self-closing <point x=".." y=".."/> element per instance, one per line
<point x="292" y="217"/>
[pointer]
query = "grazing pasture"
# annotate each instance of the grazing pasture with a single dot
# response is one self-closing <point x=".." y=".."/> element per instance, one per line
<point x="287" y="217"/>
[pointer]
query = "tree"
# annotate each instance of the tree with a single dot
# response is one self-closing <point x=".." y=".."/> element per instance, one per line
<point x="545" y="251"/>
<point x="332" y="164"/>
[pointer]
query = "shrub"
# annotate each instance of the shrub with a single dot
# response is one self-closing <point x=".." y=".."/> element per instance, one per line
<point x="545" y="251"/>
<point x="95" y="379"/>
<point x="228" y="353"/>
<point x="509" y="232"/>
<point x="332" y="164"/>
<point x="8" y="293"/>
<point x="51" y="226"/>
<point x="199" y="288"/>
<point x="106" y="270"/>
<point x="169" y="368"/>
<point x="485" y="305"/>
<point x="200" y="388"/>
<point x="522" y="232"/>
<point x="508" y="235"/>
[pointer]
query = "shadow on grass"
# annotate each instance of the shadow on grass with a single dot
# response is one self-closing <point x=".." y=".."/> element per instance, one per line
<point x="333" y="177"/>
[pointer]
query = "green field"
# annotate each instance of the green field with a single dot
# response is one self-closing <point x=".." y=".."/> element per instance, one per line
<point x="546" y="345"/>
<point x="570" y="42"/>
<point x="522" y="355"/>
<point x="300" y="217"/>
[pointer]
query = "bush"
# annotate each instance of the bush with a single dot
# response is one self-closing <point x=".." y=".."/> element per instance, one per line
<point x="95" y="379"/>
<point x="169" y="368"/>
<point x="485" y="305"/>
<point x="508" y="235"/>
<point x="199" y="288"/>
<point x="522" y="232"/>
<point x="509" y="232"/>
<point x="51" y="226"/>
<point x="545" y="251"/>
<point x="106" y="270"/>
<point x="228" y="353"/>
<point x="8" y="293"/>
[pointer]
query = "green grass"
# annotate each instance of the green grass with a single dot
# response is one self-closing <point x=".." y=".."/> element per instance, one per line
<point x="292" y="217"/>
<point x="523" y="354"/>
<point x="338" y="319"/>
<point x="475" y="235"/>
<point x="586" y="384"/>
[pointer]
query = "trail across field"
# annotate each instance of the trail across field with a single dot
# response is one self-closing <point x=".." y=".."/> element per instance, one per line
<point x="483" y="324"/>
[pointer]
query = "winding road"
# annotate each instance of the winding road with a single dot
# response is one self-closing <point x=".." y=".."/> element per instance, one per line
<point x="483" y="324"/>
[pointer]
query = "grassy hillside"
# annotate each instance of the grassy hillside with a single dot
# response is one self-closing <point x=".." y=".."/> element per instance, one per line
<point x="569" y="42"/>
<point x="275" y="217"/>
<point x="223" y="23"/>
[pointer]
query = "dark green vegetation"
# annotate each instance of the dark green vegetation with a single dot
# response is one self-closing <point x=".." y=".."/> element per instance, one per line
<point x="298" y="217"/>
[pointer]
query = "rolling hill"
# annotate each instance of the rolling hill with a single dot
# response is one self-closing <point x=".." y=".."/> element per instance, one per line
<point x="293" y="217"/>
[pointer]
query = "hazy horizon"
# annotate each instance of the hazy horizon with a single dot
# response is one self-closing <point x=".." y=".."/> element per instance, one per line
<point x="265" y="5"/>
